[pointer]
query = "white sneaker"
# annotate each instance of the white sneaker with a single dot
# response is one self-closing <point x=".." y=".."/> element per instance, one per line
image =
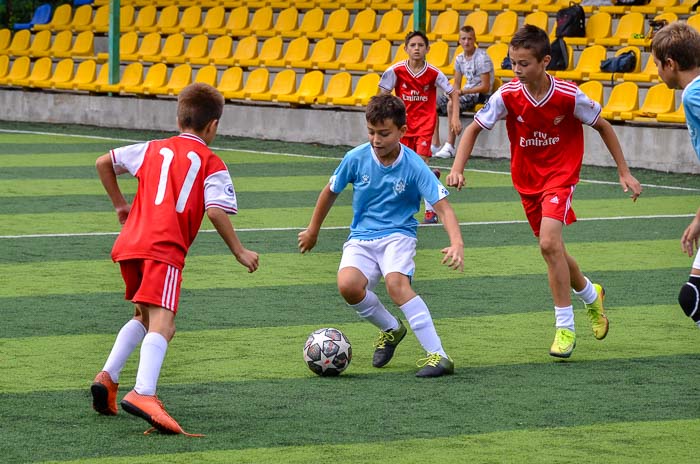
<point x="434" y="149"/>
<point x="447" y="151"/>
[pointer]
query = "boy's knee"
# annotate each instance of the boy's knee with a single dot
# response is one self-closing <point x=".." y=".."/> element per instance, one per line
<point x="689" y="298"/>
<point x="351" y="292"/>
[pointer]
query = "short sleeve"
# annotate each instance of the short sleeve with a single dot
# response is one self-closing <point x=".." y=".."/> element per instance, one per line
<point x="219" y="192"/>
<point x="129" y="158"/>
<point x="388" y="80"/>
<point x="493" y="111"/>
<point x="342" y="176"/>
<point x="586" y="110"/>
<point x="442" y="82"/>
<point x="484" y="64"/>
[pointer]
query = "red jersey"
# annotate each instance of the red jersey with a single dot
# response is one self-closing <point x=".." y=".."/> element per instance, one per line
<point x="179" y="178"/>
<point x="419" y="93"/>
<point x="546" y="136"/>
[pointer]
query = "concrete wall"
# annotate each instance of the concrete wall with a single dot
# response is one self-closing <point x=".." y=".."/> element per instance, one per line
<point x="659" y="148"/>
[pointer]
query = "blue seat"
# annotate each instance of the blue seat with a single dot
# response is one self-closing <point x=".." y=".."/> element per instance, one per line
<point x="42" y="15"/>
<point x="77" y="3"/>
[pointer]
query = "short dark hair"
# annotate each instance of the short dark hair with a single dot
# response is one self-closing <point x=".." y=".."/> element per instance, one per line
<point x="532" y="38"/>
<point x="679" y="42"/>
<point x="386" y="106"/>
<point x="197" y="105"/>
<point x="420" y="34"/>
<point x="468" y="29"/>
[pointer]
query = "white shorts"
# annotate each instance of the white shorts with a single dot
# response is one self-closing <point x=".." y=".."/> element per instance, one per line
<point x="377" y="258"/>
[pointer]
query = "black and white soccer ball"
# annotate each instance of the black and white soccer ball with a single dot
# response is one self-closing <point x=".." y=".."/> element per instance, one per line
<point x="327" y="352"/>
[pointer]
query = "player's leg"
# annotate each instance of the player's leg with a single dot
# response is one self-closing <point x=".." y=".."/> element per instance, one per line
<point x="592" y="295"/>
<point x="358" y="274"/>
<point x="444" y="108"/>
<point x="689" y="295"/>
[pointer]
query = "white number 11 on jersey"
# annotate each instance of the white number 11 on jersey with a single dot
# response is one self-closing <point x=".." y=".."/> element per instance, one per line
<point x="195" y="165"/>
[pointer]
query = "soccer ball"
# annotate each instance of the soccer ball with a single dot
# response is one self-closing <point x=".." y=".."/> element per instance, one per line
<point x="327" y="352"/>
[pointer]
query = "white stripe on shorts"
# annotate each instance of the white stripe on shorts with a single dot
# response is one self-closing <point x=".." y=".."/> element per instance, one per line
<point x="568" y="203"/>
<point x="170" y="288"/>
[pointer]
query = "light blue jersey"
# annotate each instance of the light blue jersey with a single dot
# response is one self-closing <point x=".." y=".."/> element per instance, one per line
<point x="385" y="198"/>
<point x="691" y="105"/>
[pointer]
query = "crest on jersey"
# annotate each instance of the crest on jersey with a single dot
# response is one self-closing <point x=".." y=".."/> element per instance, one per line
<point x="399" y="186"/>
<point x="520" y="119"/>
<point x="229" y="190"/>
<point x="364" y="179"/>
<point x="558" y="119"/>
<point x="425" y="88"/>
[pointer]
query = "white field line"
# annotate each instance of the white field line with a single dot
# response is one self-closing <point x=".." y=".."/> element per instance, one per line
<point x="293" y="155"/>
<point x="289" y="229"/>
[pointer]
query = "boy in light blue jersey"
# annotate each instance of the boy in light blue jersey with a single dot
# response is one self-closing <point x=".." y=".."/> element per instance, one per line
<point x="388" y="181"/>
<point x="676" y="52"/>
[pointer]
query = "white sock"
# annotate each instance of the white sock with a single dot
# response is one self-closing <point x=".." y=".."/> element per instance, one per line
<point x="449" y="146"/>
<point x="153" y="351"/>
<point x="372" y="310"/>
<point x="434" y="148"/>
<point x="128" y="338"/>
<point x="588" y="294"/>
<point x="418" y="317"/>
<point x="564" y="317"/>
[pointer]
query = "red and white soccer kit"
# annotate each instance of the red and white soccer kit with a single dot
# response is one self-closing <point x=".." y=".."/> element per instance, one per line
<point x="418" y="91"/>
<point x="546" y="144"/>
<point x="179" y="178"/>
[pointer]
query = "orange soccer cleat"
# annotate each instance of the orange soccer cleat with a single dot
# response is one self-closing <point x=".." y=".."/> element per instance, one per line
<point x="150" y="408"/>
<point x="104" y="394"/>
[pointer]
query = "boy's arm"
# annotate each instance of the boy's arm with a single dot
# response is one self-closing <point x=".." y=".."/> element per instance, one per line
<point x="105" y="170"/>
<point x="627" y="180"/>
<point x="454" y="254"/>
<point x="307" y="238"/>
<point x="691" y="236"/>
<point x="464" y="150"/>
<point x="223" y="226"/>
<point x="484" y="87"/>
<point x="456" y="122"/>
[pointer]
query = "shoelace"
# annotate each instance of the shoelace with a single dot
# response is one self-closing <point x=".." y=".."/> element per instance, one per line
<point x="383" y="338"/>
<point x="432" y="360"/>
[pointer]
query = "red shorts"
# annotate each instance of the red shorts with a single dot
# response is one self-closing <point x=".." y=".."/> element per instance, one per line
<point x="554" y="203"/>
<point x="420" y="145"/>
<point x="151" y="282"/>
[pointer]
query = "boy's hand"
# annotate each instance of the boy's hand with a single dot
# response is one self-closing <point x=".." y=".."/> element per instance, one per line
<point x="691" y="238"/>
<point x="454" y="257"/>
<point x="629" y="182"/>
<point x="123" y="213"/>
<point x="456" y="179"/>
<point x="306" y="240"/>
<point x="248" y="259"/>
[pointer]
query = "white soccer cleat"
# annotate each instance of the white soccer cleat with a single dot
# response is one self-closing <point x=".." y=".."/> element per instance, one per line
<point x="447" y="151"/>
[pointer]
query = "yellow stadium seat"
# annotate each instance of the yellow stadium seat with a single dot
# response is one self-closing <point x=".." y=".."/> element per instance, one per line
<point x="675" y="117"/>
<point x="5" y="39"/>
<point x="478" y="20"/>
<point x="400" y="55"/>
<point x="531" y="6"/>
<point x="683" y="8"/>
<point x="156" y="77"/>
<point x="338" y="21"/>
<point x="167" y="19"/>
<point x="588" y="63"/>
<point x="4" y="65"/>
<point x="20" y="43"/>
<point x="310" y="87"/>
<point x="237" y="20"/>
<point x="173" y="46"/>
<point x="378" y="58"/>
<point x="497" y="52"/>
<point x="215" y="18"/>
<point x="220" y="52"/>
<point x="284" y="83"/>
<point x="650" y="73"/>
<point x="659" y="99"/>
<point x="62" y="73"/>
<point x="261" y="21"/>
<point x="311" y="23"/>
<point x="624" y="98"/>
<point x="446" y="24"/>
<point x="82" y="18"/>
<point x="538" y="18"/>
<point x="41" y="42"/>
<point x="628" y="26"/>
<point x="390" y="23"/>
<point x="594" y="91"/>
<point x="339" y="86"/>
<point x="246" y="49"/>
<point x="60" y="20"/>
<point x="197" y="48"/>
<point x="655" y="7"/>
<point x="257" y="82"/>
<point x="350" y="53"/>
<point x="207" y="75"/>
<point x="408" y="27"/>
<point x="364" y="23"/>
<point x="128" y="46"/>
<point x="145" y="19"/>
<point x="84" y="46"/>
<point x="694" y="21"/>
<point x="297" y="50"/>
<point x="323" y="53"/>
<point x="606" y="76"/>
<point x="270" y="51"/>
<point x="470" y="5"/>
<point x="598" y="26"/>
<point x="131" y="77"/>
<point x="502" y="5"/>
<point x="180" y="78"/>
<point x="287" y="20"/>
<point x="84" y="74"/>
<point x="20" y="69"/>
<point x="149" y="46"/>
<point x="41" y="71"/>
<point x="367" y="86"/>
<point x="231" y="81"/>
<point x="100" y="22"/>
<point x="189" y="23"/>
<point x="101" y="79"/>
<point x="504" y="26"/>
<point x="439" y="54"/>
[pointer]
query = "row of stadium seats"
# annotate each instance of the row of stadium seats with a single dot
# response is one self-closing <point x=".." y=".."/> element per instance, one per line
<point x="44" y="43"/>
<point x="287" y="87"/>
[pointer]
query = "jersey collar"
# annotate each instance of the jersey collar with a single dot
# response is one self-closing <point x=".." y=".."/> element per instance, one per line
<point x="187" y="135"/>
<point x="547" y="96"/>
